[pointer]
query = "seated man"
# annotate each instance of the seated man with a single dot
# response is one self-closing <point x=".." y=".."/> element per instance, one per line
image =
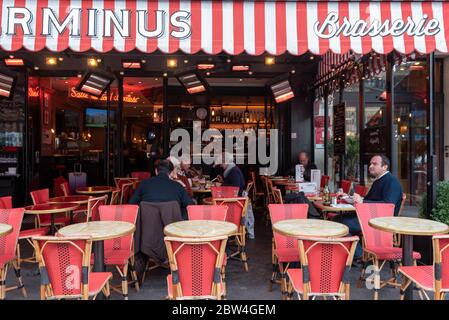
<point x="161" y="188"/>
<point x="303" y="158"/>
<point x="385" y="189"/>
<point x="232" y="175"/>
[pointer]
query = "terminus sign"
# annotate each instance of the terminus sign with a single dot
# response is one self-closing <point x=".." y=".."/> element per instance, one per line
<point x="373" y="27"/>
<point x="18" y="17"/>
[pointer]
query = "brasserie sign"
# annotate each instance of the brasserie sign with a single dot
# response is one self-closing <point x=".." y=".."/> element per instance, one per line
<point x="120" y="21"/>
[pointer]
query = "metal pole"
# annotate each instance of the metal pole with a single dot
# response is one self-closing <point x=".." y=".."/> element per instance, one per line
<point x="431" y="169"/>
<point x="361" y="129"/>
<point x="120" y="128"/>
<point x="27" y="153"/>
<point x="326" y="128"/>
<point x="107" y="138"/>
<point x="165" y="116"/>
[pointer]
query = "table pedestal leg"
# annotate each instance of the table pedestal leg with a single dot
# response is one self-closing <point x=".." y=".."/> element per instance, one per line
<point x="99" y="266"/>
<point x="52" y="225"/>
<point x="407" y="260"/>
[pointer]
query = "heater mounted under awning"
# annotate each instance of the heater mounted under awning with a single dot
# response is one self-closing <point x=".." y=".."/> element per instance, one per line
<point x="234" y="27"/>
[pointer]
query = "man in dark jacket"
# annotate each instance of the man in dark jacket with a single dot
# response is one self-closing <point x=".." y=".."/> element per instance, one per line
<point x="385" y="189"/>
<point x="232" y="175"/>
<point x="303" y="158"/>
<point x="162" y="189"/>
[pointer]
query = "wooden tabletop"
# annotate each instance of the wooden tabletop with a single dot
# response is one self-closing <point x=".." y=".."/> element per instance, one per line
<point x="98" y="230"/>
<point x="75" y="199"/>
<point x="5" y="229"/>
<point x="96" y="190"/>
<point x="409" y="226"/>
<point x="344" y="208"/>
<point x="310" y="228"/>
<point x="200" y="229"/>
<point x="47" y="208"/>
<point x="285" y="183"/>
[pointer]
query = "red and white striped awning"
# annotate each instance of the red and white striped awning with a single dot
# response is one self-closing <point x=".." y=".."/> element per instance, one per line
<point x="227" y="26"/>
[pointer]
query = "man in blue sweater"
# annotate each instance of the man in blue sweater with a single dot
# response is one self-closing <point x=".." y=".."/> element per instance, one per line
<point x="385" y="189"/>
<point x="232" y="175"/>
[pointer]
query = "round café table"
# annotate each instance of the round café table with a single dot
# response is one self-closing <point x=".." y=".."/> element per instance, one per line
<point x="52" y="209"/>
<point x="74" y="199"/>
<point x="199" y="193"/>
<point x="98" y="231"/>
<point x="408" y="227"/>
<point x="96" y="190"/>
<point x="5" y="229"/>
<point x="200" y="229"/>
<point x="310" y="228"/>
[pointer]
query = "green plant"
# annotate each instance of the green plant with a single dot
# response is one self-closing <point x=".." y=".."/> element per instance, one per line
<point x="423" y="206"/>
<point x="441" y="211"/>
<point x="351" y="156"/>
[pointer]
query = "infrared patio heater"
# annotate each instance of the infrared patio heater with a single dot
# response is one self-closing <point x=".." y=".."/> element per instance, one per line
<point x="281" y="89"/>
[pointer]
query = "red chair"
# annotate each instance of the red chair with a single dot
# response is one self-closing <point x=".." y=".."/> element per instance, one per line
<point x="224" y="191"/>
<point x="204" y="212"/>
<point x="6" y="202"/>
<point x="236" y="214"/>
<point x="119" y="252"/>
<point x="378" y="245"/>
<point x="8" y="246"/>
<point x="326" y="263"/>
<point x="346" y="185"/>
<point x="284" y="249"/>
<point x="361" y="190"/>
<point x="126" y="191"/>
<point x="58" y="190"/>
<point x="93" y="205"/>
<point x="433" y="278"/>
<point x="44" y="220"/>
<point x="64" y="264"/>
<point x="195" y="265"/>
<point x="141" y="175"/>
<point x="324" y="181"/>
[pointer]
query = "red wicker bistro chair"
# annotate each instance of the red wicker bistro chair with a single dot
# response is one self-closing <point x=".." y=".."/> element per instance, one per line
<point x="93" y="205"/>
<point x="236" y="214"/>
<point x="361" y="190"/>
<point x="57" y="186"/>
<point x="6" y="203"/>
<point x="205" y="212"/>
<point x="115" y="197"/>
<point x="141" y="175"/>
<point x="346" y="185"/>
<point x="126" y="191"/>
<point x="326" y="263"/>
<point x="119" y="252"/>
<point x="378" y="245"/>
<point x="210" y="212"/>
<point x="224" y="191"/>
<point x="44" y="220"/>
<point x="433" y="278"/>
<point x="324" y="181"/>
<point x="284" y="249"/>
<point x="8" y="246"/>
<point x="195" y="266"/>
<point x="64" y="268"/>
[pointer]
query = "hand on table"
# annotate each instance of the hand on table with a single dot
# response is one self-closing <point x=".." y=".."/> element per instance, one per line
<point x="357" y="198"/>
<point x="220" y="179"/>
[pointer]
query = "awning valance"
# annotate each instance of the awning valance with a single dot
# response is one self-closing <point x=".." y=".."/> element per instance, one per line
<point x="233" y="27"/>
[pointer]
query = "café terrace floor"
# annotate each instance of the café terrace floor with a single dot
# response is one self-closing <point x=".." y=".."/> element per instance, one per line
<point x="241" y="285"/>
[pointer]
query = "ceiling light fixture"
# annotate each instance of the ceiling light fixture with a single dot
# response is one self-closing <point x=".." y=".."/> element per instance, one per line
<point x="91" y="62"/>
<point x="172" y="63"/>
<point x="205" y="66"/>
<point x="51" y="61"/>
<point x="240" y="68"/>
<point x="269" y="60"/>
<point x="14" y="62"/>
<point x="131" y="64"/>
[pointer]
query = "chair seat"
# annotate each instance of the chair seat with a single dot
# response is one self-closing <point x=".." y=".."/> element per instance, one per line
<point x="5" y="259"/>
<point x="117" y="257"/>
<point x="29" y="233"/>
<point x="170" y="287"/>
<point x="390" y="253"/>
<point x="421" y="275"/>
<point x="97" y="280"/>
<point x="287" y="254"/>
<point x="295" y="276"/>
<point x="58" y="221"/>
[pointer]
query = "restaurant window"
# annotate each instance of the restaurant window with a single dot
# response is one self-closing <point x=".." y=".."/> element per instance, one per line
<point x="352" y="150"/>
<point x="409" y="149"/>
<point x="374" y="119"/>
